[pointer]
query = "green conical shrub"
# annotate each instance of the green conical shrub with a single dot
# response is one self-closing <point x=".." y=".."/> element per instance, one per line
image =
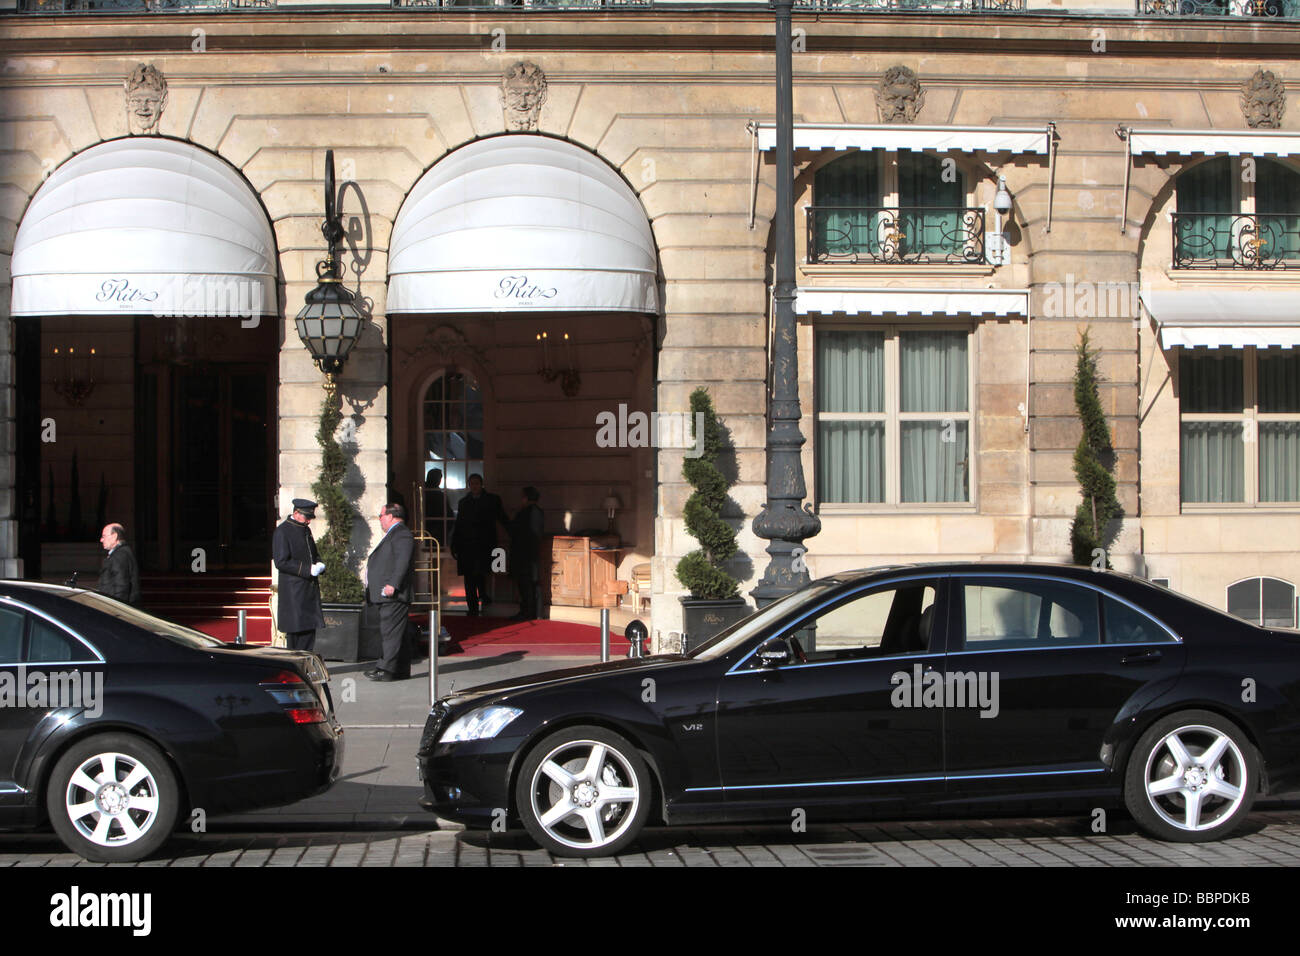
<point x="338" y="583"/>
<point x="701" y="571"/>
<point x="1090" y="532"/>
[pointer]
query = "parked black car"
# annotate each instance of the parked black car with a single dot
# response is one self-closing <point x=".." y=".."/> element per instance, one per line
<point x="941" y="687"/>
<point x="115" y="725"/>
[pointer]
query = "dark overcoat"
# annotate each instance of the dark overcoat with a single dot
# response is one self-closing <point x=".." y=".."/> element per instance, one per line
<point x="475" y="534"/>
<point x="120" y="576"/>
<point x="293" y="550"/>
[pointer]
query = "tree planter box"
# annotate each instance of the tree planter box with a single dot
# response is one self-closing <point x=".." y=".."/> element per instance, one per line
<point x="703" y="619"/>
<point x="340" y="638"/>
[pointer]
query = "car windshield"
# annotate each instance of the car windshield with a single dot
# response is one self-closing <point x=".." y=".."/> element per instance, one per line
<point x="146" y="622"/>
<point x="740" y="632"/>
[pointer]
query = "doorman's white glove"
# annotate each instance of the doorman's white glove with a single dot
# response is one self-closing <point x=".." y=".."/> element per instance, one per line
<point x="317" y="568"/>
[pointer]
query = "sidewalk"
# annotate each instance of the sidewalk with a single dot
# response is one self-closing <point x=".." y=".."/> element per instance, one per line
<point x="379" y="786"/>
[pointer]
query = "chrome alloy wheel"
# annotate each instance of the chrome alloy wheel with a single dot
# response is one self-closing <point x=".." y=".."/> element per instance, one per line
<point x="112" y="799"/>
<point x="584" y="794"/>
<point x="1195" y="778"/>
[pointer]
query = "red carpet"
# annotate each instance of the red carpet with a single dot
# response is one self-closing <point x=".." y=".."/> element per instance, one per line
<point x="489" y="636"/>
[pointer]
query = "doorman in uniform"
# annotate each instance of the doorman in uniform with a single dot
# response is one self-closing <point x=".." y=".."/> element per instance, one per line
<point x="293" y="550"/>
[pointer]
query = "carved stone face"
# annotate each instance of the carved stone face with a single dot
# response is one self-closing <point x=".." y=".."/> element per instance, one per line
<point x="146" y="97"/>
<point x="1263" y="101"/>
<point x="523" y="91"/>
<point x="899" y="96"/>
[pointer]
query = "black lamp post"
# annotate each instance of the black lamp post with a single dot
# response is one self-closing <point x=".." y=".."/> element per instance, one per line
<point x="782" y="521"/>
<point x="330" y="323"/>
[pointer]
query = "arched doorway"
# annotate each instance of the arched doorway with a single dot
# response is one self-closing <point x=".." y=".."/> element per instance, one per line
<point x="144" y="276"/>
<point x="523" y="295"/>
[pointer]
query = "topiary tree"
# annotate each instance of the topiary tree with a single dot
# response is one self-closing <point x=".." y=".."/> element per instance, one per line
<point x="701" y="571"/>
<point x="338" y="584"/>
<point x="1093" y="459"/>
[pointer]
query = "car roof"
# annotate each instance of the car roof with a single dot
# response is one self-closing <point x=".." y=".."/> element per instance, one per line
<point x="1047" y="568"/>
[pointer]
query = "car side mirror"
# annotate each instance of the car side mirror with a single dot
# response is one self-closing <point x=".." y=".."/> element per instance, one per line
<point x="774" y="652"/>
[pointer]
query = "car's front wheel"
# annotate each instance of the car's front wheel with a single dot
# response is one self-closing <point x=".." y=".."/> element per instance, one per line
<point x="1192" y="777"/>
<point x="112" y="798"/>
<point x="583" y="791"/>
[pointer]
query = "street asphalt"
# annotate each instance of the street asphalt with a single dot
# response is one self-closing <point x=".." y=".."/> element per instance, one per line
<point x="379" y="787"/>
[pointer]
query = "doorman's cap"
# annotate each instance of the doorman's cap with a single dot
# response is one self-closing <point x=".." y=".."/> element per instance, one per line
<point x="306" y="506"/>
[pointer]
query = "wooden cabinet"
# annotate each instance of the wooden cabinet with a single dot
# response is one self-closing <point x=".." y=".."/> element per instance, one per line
<point x="580" y="568"/>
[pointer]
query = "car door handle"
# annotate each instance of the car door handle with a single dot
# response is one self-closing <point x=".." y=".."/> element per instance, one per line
<point x="1143" y="657"/>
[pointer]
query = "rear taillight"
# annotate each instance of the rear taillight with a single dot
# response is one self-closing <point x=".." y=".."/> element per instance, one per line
<point x="296" y="697"/>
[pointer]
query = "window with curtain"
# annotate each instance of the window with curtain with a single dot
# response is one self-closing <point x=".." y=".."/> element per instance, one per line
<point x="930" y="204"/>
<point x="885" y="206"/>
<point x="1207" y="205"/>
<point x="1277" y="203"/>
<point x="893" y="416"/>
<point x="1240" y="440"/>
<point x="1234" y="213"/>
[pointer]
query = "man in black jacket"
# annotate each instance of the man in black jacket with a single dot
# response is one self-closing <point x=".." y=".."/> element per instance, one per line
<point x="525" y="542"/>
<point x="473" y="539"/>
<point x="388" y="584"/>
<point x="119" y="578"/>
<point x="293" y="549"/>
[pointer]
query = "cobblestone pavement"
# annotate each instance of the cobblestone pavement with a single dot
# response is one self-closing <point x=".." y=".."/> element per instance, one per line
<point x="1270" y="838"/>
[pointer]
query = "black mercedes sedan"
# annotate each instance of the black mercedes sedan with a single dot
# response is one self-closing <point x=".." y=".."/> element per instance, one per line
<point x="115" y="726"/>
<point x="926" y="689"/>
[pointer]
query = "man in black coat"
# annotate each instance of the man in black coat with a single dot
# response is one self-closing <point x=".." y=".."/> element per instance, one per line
<point x="293" y="549"/>
<point x="474" y="538"/>
<point x="525" y="542"/>
<point x="388" y="584"/>
<point x="119" y="578"/>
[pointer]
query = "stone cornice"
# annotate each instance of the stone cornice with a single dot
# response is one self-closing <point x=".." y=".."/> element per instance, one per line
<point x="395" y="30"/>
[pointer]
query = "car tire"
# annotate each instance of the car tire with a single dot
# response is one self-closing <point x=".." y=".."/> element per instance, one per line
<point x="599" y="777"/>
<point x="112" y="798"/>
<point x="1178" y="790"/>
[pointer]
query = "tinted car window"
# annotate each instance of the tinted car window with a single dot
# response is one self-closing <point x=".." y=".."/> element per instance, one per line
<point x="883" y="622"/>
<point x="53" y="645"/>
<point x="1026" y="613"/>
<point x="1127" y="626"/>
<point x="11" y="636"/>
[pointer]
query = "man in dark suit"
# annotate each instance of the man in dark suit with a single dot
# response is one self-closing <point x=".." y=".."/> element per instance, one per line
<point x="473" y="539"/>
<point x="388" y="584"/>
<point x="525" y="541"/>
<point x="119" y="578"/>
<point x="293" y="549"/>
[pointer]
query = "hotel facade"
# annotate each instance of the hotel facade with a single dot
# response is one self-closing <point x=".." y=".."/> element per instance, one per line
<point x="559" y="212"/>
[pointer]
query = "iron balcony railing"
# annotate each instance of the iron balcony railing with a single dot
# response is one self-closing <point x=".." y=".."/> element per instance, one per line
<point x="909" y="234"/>
<point x="919" y="6"/>
<point x="1218" y="8"/>
<point x="140" y="6"/>
<point x="1236" y="241"/>
<point x="526" y="4"/>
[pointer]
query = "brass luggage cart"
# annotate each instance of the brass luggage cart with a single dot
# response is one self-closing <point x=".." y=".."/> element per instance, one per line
<point x="426" y="571"/>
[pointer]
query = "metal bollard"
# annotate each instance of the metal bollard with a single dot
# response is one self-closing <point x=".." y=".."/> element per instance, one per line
<point x="241" y="636"/>
<point x="604" y="634"/>
<point x="434" y="631"/>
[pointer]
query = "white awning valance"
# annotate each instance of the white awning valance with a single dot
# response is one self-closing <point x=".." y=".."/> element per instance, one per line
<point x="144" y="226"/>
<point x="1224" y="318"/>
<point x="1210" y="142"/>
<point x="522" y="223"/>
<point x="977" y="302"/>
<point x="941" y="139"/>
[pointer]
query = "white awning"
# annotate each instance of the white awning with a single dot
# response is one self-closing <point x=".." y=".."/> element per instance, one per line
<point x="941" y="139"/>
<point x="144" y="226"/>
<point x="1210" y="142"/>
<point x="522" y="223"/>
<point x="1224" y="318"/>
<point x="977" y="302"/>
